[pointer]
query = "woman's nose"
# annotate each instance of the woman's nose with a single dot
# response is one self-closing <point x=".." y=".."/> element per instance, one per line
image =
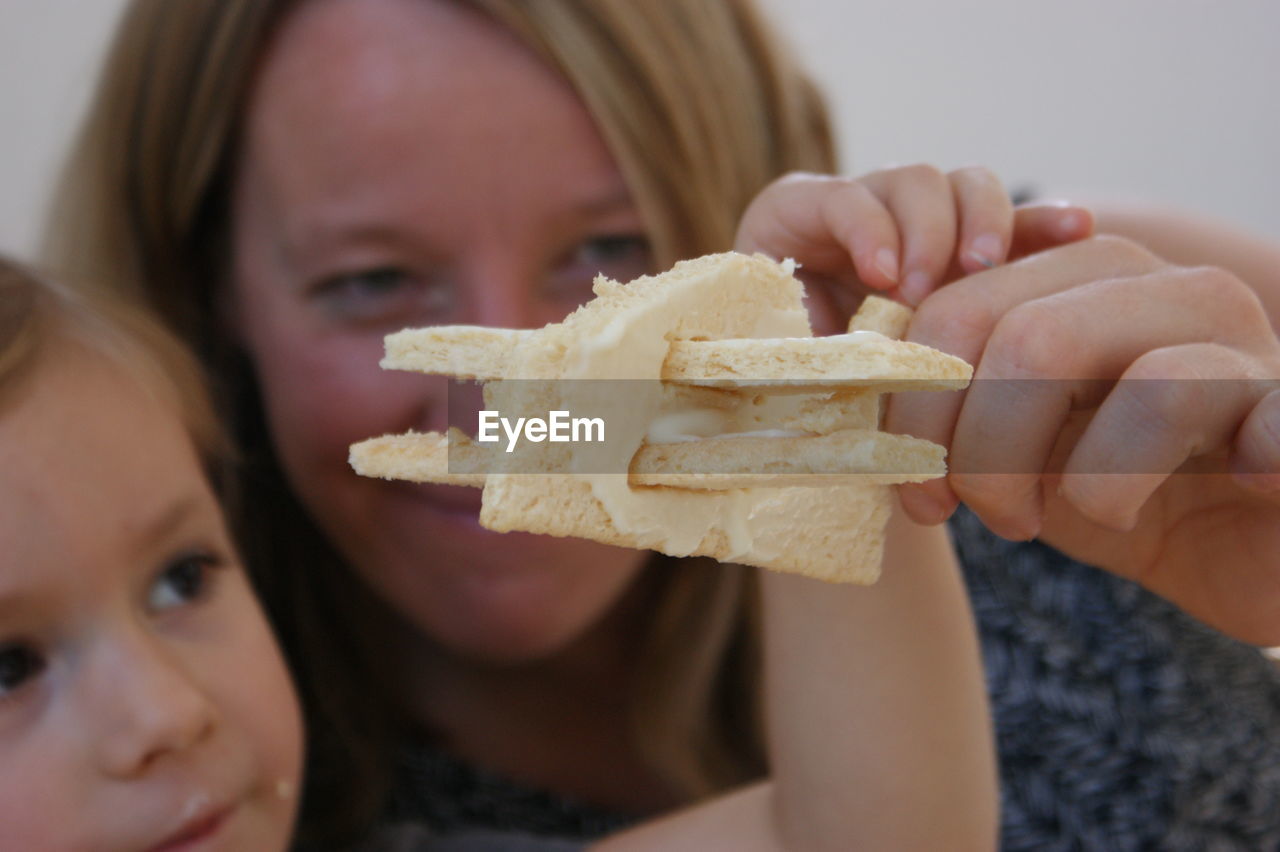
<point x="506" y="308"/>
<point x="147" y="707"/>
<point x="503" y="290"/>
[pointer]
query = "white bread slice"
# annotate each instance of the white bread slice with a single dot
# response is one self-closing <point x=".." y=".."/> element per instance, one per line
<point x="861" y="359"/>
<point x="462" y="351"/>
<point x="710" y="464"/>
<point x="816" y="460"/>
<point x="858" y="359"/>
<point x="422" y="457"/>
<point x="882" y="316"/>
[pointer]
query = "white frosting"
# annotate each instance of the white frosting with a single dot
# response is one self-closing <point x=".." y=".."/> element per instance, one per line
<point x="634" y="345"/>
<point x="691" y="425"/>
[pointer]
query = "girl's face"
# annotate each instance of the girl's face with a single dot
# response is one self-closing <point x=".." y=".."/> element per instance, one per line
<point x="407" y="163"/>
<point x="143" y="704"/>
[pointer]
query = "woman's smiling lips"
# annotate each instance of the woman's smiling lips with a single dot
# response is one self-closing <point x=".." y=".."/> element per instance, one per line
<point x="450" y="499"/>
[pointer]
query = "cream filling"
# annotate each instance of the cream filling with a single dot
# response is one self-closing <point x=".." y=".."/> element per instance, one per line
<point x="690" y="425"/>
<point x="633" y="346"/>
<point x="697" y="424"/>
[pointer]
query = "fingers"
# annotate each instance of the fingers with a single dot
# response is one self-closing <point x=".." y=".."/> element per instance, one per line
<point x="986" y="218"/>
<point x="866" y="229"/>
<point x="912" y="227"/>
<point x="1037" y="227"/>
<point x="1047" y="358"/>
<point x="920" y="200"/>
<point x="828" y="225"/>
<point x="1029" y="322"/>
<point x="1255" y="461"/>
<point x="1171" y="405"/>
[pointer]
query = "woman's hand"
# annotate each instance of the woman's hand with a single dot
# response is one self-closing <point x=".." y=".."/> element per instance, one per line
<point x="1169" y="476"/>
<point x="905" y="230"/>
<point x="1101" y="371"/>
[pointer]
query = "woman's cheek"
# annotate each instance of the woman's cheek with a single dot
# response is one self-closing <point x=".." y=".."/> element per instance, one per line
<point x="323" y="398"/>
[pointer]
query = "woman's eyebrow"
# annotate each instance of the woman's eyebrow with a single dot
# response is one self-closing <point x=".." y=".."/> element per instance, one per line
<point x="295" y="247"/>
<point x="611" y="202"/>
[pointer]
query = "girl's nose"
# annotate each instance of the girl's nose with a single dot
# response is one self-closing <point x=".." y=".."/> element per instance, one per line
<point x="147" y="707"/>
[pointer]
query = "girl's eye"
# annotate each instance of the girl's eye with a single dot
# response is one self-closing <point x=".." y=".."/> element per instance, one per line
<point x="384" y="294"/>
<point x="18" y="664"/>
<point x="184" y="580"/>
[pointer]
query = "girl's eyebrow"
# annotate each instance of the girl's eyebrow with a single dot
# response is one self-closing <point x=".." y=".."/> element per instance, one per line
<point x="15" y="598"/>
<point x="173" y="516"/>
<point x="13" y="601"/>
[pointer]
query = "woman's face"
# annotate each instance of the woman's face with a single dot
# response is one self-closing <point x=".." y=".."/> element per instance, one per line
<point x="407" y="163"/>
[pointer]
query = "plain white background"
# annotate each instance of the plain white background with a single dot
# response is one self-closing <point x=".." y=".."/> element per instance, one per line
<point x="1169" y="100"/>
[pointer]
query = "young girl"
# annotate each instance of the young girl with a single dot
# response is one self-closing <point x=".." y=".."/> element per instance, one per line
<point x="143" y="702"/>
<point x="144" y="705"/>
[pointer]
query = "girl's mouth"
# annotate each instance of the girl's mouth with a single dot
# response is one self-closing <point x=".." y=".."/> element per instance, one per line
<point x="195" y="831"/>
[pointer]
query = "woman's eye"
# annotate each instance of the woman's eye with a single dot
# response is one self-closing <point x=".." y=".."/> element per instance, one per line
<point x="184" y="580"/>
<point x="18" y="664"/>
<point x="383" y="293"/>
<point x="621" y="257"/>
<point x="628" y="254"/>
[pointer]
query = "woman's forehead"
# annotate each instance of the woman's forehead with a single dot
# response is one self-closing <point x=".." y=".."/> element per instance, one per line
<point x="371" y="115"/>
<point x="359" y="57"/>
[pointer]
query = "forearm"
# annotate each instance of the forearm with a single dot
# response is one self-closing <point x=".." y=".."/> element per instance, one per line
<point x="879" y="733"/>
<point x="880" y="736"/>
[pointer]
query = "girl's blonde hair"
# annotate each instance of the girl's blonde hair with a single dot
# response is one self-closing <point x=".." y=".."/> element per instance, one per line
<point x="700" y="107"/>
<point x="38" y="313"/>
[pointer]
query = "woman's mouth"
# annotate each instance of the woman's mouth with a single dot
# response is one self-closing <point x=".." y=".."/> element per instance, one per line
<point x="448" y="499"/>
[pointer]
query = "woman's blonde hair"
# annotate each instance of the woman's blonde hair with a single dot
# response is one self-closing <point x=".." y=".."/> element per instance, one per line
<point x="700" y="107"/>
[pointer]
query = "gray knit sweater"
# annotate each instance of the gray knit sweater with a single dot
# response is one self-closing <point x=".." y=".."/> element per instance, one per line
<point x="1123" y="724"/>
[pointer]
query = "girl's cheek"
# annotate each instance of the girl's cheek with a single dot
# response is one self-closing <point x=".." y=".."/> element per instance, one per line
<point x="43" y="791"/>
<point x="256" y="689"/>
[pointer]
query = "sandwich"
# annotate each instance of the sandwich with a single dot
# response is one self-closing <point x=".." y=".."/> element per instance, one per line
<point x="726" y="429"/>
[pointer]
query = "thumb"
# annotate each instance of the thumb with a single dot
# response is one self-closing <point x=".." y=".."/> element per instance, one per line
<point x="1255" y="460"/>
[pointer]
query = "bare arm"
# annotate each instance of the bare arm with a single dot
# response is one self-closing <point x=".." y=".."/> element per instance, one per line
<point x="879" y="734"/>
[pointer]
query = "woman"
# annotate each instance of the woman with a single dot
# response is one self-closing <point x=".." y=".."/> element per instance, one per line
<point x="284" y="217"/>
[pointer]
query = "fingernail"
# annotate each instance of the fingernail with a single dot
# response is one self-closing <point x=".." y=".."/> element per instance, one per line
<point x="986" y="249"/>
<point x="887" y="263"/>
<point x="923" y="507"/>
<point x="915" y="287"/>
<point x="1259" y="483"/>
<point x="1070" y="224"/>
